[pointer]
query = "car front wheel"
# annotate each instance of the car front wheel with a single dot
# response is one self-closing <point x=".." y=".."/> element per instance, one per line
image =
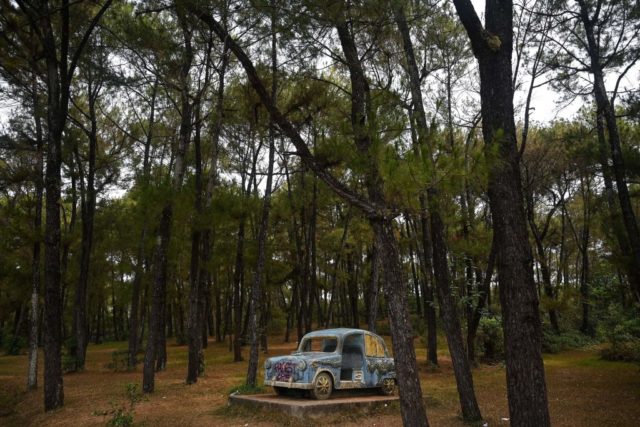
<point x="322" y="386"/>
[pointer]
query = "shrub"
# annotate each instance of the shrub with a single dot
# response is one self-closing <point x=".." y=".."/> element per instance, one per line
<point x="489" y="340"/>
<point x="11" y="344"/>
<point x="622" y="330"/>
<point x="119" y="361"/>
<point x="120" y="418"/>
<point x="121" y="415"/>
<point x="553" y="342"/>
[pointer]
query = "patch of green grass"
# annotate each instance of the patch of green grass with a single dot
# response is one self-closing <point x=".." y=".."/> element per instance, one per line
<point x="598" y="363"/>
<point x="247" y="389"/>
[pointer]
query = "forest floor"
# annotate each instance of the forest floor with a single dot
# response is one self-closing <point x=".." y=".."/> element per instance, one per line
<point x="583" y="391"/>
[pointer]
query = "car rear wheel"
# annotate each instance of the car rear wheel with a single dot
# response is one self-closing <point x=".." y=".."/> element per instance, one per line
<point x="388" y="387"/>
<point x="322" y="386"/>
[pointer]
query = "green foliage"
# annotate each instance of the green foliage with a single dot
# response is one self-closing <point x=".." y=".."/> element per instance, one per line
<point x="122" y="415"/>
<point x="489" y="340"/>
<point x="553" y="342"/>
<point x="120" y="418"/>
<point x="246" y="389"/>
<point x="119" y="361"/>
<point x="11" y="344"/>
<point x="622" y="330"/>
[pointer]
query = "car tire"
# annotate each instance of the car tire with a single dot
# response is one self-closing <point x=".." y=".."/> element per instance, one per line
<point x="388" y="387"/>
<point x="322" y="386"/>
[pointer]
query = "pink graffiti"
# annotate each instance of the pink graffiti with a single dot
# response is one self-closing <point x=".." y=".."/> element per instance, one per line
<point x="284" y="370"/>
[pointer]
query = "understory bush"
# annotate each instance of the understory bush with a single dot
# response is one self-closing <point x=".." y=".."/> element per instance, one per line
<point x="11" y="345"/>
<point x="553" y="342"/>
<point x="122" y="415"/>
<point x="119" y="361"/>
<point x="489" y="339"/>
<point x="622" y="330"/>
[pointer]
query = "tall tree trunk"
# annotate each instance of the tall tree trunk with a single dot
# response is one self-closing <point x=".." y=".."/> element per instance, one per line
<point x="198" y="275"/>
<point x="57" y="105"/>
<point x="586" y="327"/>
<point x="538" y="236"/>
<point x="156" y="351"/>
<point x="194" y="320"/>
<point x="448" y="310"/>
<point x="238" y="274"/>
<point x="526" y="387"/>
<point x="484" y="289"/>
<point x="32" y="374"/>
<point x="606" y="109"/>
<point x="372" y="303"/>
<point x="450" y="319"/>
<point x="134" y="324"/>
<point x="412" y="405"/>
<point x="257" y="290"/>
<point x="79" y="327"/>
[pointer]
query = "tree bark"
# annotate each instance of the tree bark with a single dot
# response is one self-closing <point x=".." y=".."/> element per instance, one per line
<point x="372" y="303"/>
<point x="32" y="374"/>
<point x="526" y="387"/>
<point x="134" y="324"/>
<point x="257" y="291"/>
<point x="88" y="208"/>
<point x="606" y="108"/>
<point x="155" y="353"/>
<point x="448" y="310"/>
<point x="412" y="405"/>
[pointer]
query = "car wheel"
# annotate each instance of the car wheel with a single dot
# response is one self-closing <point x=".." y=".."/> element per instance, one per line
<point x="322" y="386"/>
<point x="388" y="387"/>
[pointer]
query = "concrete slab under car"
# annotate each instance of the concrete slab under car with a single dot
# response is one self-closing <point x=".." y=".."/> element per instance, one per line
<point x="300" y="407"/>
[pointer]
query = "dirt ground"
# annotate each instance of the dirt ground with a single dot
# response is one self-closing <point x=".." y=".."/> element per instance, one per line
<point x="583" y="391"/>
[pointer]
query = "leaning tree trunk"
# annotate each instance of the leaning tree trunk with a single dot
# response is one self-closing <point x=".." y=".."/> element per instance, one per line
<point x="606" y="108"/>
<point x="492" y="46"/>
<point x="448" y="310"/>
<point x="394" y="287"/>
<point x="412" y="405"/>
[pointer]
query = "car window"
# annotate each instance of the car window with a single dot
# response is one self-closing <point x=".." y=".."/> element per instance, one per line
<point x="374" y="346"/>
<point x="353" y="343"/>
<point x="319" y="344"/>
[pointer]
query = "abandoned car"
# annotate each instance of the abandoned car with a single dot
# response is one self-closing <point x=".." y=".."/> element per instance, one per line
<point x="331" y="359"/>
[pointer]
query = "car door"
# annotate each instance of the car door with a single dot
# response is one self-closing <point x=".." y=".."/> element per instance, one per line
<point x="376" y="358"/>
<point x="353" y="360"/>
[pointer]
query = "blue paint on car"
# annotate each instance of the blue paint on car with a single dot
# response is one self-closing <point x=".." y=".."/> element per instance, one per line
<point x="352" y="358"/>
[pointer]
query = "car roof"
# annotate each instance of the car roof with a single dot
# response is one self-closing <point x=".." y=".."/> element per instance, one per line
<point x="339" y="332"/>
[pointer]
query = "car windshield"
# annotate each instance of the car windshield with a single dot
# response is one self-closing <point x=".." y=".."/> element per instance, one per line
<point x="318" y="344"/>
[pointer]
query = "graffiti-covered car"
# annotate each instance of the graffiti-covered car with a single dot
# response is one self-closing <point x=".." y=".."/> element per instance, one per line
<point x="333" y="359"/>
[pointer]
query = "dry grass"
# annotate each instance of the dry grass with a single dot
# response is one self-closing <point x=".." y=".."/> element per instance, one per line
<point x="583" y="391"/>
